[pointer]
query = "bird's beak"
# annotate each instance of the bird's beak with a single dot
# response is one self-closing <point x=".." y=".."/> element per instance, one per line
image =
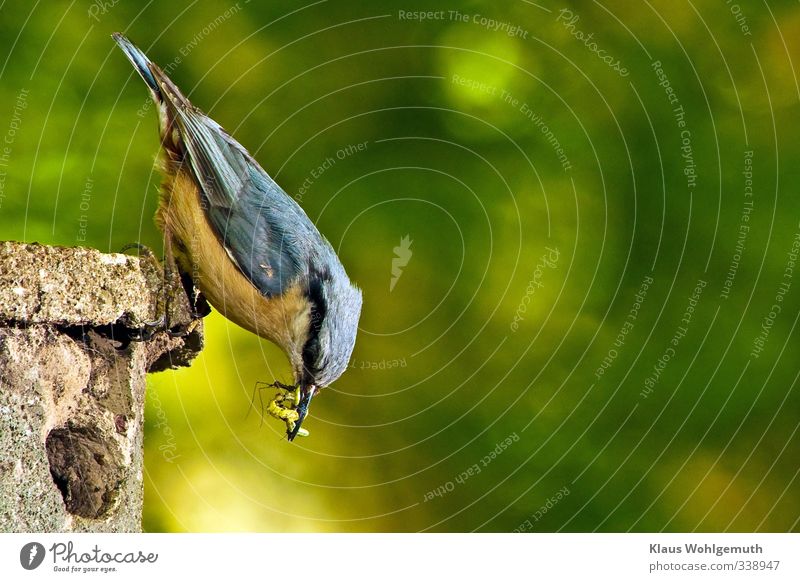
<point x="307" y="392"/>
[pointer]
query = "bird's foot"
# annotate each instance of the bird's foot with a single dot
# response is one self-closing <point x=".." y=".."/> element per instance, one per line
<point x="198" y="304"/>
<point x="147" y="330"/>
<point x="198" y="308"/>
<point x="144" y="250"/>
<point x="167" y="321"/>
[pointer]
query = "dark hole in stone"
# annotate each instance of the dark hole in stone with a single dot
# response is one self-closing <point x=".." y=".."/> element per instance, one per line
<point x="61" y="484"/>
<point x="192" y="344"/>
<point x="85" y="470"/>
<point x="118" y="332"/>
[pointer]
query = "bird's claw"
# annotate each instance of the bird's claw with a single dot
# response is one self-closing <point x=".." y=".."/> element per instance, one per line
<point x="148" y="329"/>
<point x="198" y="306"/>
<point x="143" y="250"/>
<point x="180" y="331"/>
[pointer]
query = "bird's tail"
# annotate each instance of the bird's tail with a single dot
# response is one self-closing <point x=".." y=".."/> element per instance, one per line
<point x="141" y="63"/>
<point x="161" y="87"/>
<point x="171" y="103"/>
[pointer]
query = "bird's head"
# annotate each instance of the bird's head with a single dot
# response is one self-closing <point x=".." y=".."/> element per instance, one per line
<point x="328" y="336"/>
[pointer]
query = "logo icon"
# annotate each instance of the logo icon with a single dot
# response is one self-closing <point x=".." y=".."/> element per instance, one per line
<point x="402" y="254"/>
<point x="31" y="555"/>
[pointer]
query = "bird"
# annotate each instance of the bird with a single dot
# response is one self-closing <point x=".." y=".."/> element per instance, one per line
<point x="248" y="246"/>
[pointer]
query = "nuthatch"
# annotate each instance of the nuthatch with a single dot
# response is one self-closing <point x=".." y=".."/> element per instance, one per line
<point x="247" y="245"/>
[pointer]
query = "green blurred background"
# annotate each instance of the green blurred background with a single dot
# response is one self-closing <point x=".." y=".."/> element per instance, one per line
<point x="491" y="133"/>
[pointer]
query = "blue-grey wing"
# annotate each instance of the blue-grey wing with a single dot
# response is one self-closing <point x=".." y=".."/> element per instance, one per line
<point x="263" y="230"/>
<point x="266" y="234"/>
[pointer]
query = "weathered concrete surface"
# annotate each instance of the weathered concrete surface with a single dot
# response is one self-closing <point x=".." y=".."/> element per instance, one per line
<point x="71" y="395"/>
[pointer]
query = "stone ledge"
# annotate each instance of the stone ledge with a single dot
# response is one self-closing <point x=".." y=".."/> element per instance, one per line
<point x="71" y="395"/>
<point x="75" y="286"/>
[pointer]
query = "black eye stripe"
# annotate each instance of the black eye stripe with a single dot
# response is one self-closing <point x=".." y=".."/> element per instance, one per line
<point x="311" y="349"/>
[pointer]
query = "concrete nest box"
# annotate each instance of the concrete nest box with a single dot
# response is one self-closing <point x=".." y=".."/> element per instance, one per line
<point x="72" y="384"/>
